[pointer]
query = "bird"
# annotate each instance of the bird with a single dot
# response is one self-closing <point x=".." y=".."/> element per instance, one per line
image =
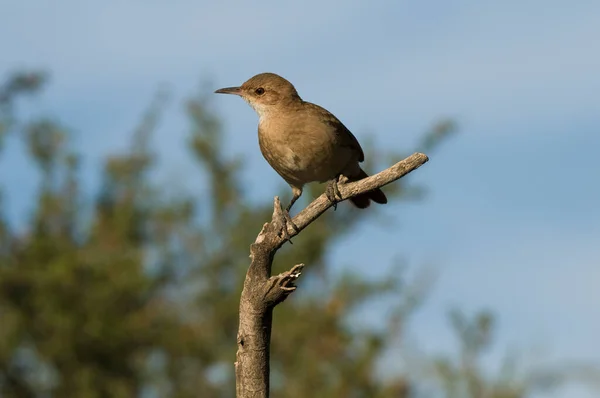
<point x="303" y="142"/>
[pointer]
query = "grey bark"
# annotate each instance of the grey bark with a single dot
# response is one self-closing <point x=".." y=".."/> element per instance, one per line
<point x="262" y="292"/>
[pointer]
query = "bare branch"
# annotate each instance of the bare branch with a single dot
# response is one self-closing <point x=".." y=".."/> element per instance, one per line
<point x="282" y="285"/>
<point x="385" y="177"/>
<point x="262" y="292"/>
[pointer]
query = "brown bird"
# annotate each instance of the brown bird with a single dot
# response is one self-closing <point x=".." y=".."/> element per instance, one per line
<point x="302" y="141"/>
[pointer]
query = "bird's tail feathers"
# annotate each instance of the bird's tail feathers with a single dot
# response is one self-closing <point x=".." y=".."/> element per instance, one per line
<point x="363" y="201"/>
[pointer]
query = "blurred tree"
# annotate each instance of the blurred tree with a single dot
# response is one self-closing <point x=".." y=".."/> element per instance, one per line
<point x="135" y="292"/>
<point x="466" y="377"/>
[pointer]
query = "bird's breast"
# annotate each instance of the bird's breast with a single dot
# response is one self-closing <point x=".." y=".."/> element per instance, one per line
<point x="299" y="153"/>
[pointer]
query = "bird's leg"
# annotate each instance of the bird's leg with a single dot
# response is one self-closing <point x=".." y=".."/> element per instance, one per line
<point x="296" y="194"/>
<point x="284" y="217"/>
<point x="333" y="193"/>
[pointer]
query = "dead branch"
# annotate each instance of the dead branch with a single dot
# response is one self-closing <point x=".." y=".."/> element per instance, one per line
<point x="262" y="292"/>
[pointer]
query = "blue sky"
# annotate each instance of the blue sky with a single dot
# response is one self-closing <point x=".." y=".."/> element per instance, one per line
<point x="512" y="219"/>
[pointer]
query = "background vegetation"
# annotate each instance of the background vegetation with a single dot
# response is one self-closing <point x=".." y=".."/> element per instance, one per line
<point x="134" y="292"/>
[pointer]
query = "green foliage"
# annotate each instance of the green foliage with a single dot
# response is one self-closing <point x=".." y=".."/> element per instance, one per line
<point x="465" y="375"/>
<point x="135" y="291"/>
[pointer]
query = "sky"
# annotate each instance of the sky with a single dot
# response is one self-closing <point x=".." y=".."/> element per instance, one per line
<point x="511" y="220"/>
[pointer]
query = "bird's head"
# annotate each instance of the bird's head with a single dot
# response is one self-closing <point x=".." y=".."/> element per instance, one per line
<point x="265" y="92"/>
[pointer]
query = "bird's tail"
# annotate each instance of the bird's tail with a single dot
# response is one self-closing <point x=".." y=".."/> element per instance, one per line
<point x="363" y="201"/>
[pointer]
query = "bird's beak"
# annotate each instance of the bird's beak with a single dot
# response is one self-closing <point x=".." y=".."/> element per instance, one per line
<point x="230" y="90"/>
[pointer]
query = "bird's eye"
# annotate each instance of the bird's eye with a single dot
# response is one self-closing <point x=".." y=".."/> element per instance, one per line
<point x="260" y="91"/>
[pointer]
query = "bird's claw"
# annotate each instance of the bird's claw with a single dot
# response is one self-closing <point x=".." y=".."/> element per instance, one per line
<point x="286" y="220"/>
<point x="333" y="193"/>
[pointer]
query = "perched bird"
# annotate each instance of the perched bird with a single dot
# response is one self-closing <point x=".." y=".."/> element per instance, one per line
<point x="302" y="141"/>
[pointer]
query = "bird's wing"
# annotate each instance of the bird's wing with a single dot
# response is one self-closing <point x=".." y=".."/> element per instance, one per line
<point x="344" y="135"/>
<point x="353" y="142"/>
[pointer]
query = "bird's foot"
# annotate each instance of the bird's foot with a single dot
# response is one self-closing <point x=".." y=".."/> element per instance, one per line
<point x="283" y="219"/>
<point x="333" y="193"/>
